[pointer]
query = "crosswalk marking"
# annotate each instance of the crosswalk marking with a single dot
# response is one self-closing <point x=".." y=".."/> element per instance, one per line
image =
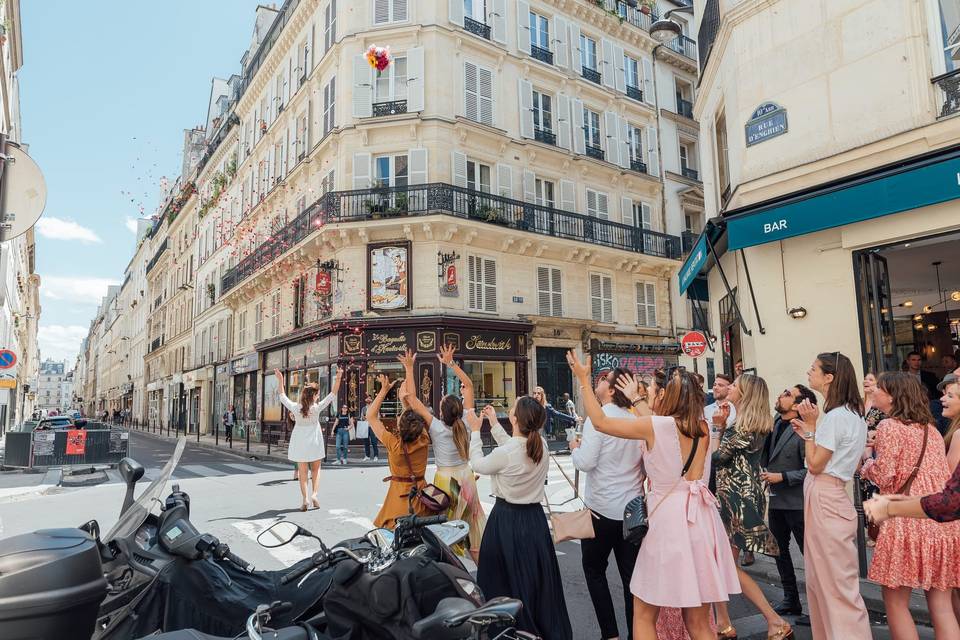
<point x="198" y="470"/>
<point x="245" y="468"/>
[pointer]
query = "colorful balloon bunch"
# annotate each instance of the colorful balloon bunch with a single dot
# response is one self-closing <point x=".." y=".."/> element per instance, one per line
<point x="379" y="58"/>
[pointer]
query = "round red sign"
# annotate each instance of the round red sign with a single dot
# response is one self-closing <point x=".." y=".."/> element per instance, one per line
<point x="693" y="344"/>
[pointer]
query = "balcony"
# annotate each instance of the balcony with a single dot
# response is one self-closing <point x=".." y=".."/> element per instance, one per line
<point x="949" y="86"/>
<point x="545" y="136"/>
<point x="684" y="46"/>
<point x="541" y="54"/>
<point x="156" y="344"/>
<point x="594" y="152"/>
<point x="685" y="108"/>
<point x="635" y="93"/>
<point x="687" y="172"/>
<point x="476" y="27"/>
<point x="365" y="205"/>
<point x="393" y="108"/>
<point x="687" y="240"/>
<point x="634" y="16"/>
<point x="638" y="165"/>
<point x="156" y="257"/>
<point x="591" y="74"/>
<point x="709" y="26"/>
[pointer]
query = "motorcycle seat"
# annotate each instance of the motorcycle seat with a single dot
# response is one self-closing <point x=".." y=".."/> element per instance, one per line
<point x="448" y="609"/>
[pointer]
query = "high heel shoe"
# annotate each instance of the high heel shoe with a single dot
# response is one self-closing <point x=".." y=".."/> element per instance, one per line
<point x="316" y="503"/>
<point x="727" y="634"/>
<point x="784" y="632"/>
<point x="303" y="507"/>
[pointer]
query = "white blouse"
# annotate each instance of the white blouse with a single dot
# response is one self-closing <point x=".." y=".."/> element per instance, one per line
<point x="514" y="476"/>
<point x="313" y="415"/>
<point x="445" y="451"/>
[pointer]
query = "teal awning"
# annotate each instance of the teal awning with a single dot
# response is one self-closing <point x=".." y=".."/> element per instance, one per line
<point x="694" y="263"/>
<point x="910" y="185"/>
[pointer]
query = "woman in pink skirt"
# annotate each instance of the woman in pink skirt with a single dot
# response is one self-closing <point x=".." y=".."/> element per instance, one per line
<point x="912" y="554"/>
<point x="684" y="561"/>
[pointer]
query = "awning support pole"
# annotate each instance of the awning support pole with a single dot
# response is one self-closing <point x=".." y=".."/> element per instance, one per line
<point x="723" y="276"/>
<point x="753" y="296"/>
<point x="701" y="319"/>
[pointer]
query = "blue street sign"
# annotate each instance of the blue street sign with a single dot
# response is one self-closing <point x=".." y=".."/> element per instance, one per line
<point x="7" y="359"/>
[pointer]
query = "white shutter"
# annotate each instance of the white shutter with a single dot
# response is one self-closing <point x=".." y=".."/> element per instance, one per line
<point x="568" y="196"/>
<point x="607" y="298"/>
<point x="556" y="283"/>
<point x="591" y="203"/>
<point x="575" y="62"/>
<point x="646" y="216"/>
<point x="603" y="211"/>
<point x="473" y="282"/>
<point x="624" y="143"/>
<point x="362" y="88"/>
<point x="415" y="79"/>
<point x="608" y="68"/>
<point x="526" y="108"/>
<point x="626" y="211"/>
<point x="561" y="40"/>
<point x="543" y="291"/>
<point x="489" y="285"/>
<point x="612" y="124"/>
<point x="498" y="22"/>
<point x="653" y="154"/>
<point x="564" y="124"/>
<point x="523" y="26"/>
<point x="361" y="170"/>
<point x="471" y="95"/>
<point x="381" y="11"/>
<point x="418" y="166"/>
<point x="529" y="186"/>
<point x="646" y="304"/>
<point x="485" y="82"/>
<point x="458" y="162"/>
<point x="647" y="80"/>
<point x="307" y="60"/>
<point x="505" y="180"/>
<point x="619" y="72"/>
<point x="576" y="128"/>
<point x="456" y="12"/>
<point x="596" y="297"/>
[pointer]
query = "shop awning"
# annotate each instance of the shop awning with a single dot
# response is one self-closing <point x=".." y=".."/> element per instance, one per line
<point x="701" y="258"/>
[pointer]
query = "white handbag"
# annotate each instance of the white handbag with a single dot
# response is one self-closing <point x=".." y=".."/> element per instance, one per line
<point x="363" y="429"/>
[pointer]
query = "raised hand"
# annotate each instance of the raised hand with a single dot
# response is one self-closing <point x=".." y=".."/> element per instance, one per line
<point x="490" y="414"/>
<point x="808" y="413"/>
<point x="385" y="383"/>
<point x="721" y="416"/>
<point x="406" y="359"/>
<point x="446" y="354"/>
<point x="629" y="386"/>
<point x="579" y="369"/>
<point x="279" y="376"/>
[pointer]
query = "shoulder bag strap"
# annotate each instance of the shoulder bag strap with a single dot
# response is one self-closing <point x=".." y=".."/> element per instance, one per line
<point x="406" y="456"/>
<point x="916" y="468"/>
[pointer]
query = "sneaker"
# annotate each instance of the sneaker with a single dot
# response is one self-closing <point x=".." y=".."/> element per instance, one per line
<point x="366" y="458"/>
<point x="376" y="458"/>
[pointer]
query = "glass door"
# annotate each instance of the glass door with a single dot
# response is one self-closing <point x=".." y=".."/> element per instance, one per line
<point x="876" y="312"/>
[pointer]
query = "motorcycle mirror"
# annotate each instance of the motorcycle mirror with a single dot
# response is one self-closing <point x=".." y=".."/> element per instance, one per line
<point x="92" y="527"/>
<point x="278" y="534"/>
<point x="381" y="539"/>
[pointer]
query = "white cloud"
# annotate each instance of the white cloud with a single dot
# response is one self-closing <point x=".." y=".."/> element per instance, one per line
<point x="60" y="342"/>
<point x="131" y="224"/>
<point x="58" y="229"/>
<point x="75" y="289"/>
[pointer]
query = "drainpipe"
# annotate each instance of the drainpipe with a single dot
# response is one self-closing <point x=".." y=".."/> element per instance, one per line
<point x="663" y="182"/>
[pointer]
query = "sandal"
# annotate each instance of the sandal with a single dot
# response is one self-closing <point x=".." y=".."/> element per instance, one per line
<point x="784" y="632"/>
<point x="303" y="507"/>
<point x="316" y="503"/>
<point x="727" y="634"/>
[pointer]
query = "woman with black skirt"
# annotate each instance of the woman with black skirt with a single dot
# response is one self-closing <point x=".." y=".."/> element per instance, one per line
<point x="518" y="559"/>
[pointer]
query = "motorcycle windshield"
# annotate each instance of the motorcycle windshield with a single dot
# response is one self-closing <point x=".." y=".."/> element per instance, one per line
<point x="131" y="519"/>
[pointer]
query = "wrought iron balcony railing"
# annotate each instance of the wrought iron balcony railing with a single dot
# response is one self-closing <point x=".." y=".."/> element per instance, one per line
<point x="687" y="172"/>
<point x="685" y="108"/>
<point x="476" y="27"/>
<point x="541" y="54"/>
<point x="635" y="93"/>
<point x="545" y="136"/>
<point x="439" y="198"/>
<point x="156" y="257"/>
<point x="591" y="74"/>
<point x="381" y="109"/>
<point x="684" y="46"/>
<point x="594" y="152"/>
<point x="688" y="239"/>
<point x="633" y="15"/>
<point x="949" y="86"/>
<point x="636" y="164"/>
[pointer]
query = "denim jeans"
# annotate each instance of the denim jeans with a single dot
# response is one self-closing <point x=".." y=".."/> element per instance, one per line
<point x="343" y="440"/>
<point x="371" y="443"/>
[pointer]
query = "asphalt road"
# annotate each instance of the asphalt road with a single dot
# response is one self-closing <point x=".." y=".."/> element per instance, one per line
<point x="235" y="498"/>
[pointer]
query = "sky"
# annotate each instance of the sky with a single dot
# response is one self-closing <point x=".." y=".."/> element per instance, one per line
<point x="106" y="90"/>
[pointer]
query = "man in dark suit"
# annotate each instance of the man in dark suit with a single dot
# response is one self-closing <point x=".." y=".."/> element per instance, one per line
<point x="784" y="460"/>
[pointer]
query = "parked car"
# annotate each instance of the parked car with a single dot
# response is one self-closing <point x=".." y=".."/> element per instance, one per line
<point x="56" y="422"/>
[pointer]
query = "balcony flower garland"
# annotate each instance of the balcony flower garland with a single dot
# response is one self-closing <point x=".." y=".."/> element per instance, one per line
<point x="379" y="58"/>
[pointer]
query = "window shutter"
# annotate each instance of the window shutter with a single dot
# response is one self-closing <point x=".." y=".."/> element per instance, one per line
<point x="626" y="211"/>
<point x="525" y="89"/>
<point x="456" y="12"/>
<point x="653" y="154"/>
<point x="504" y="180"/>
<point x="561" y="40"/>
<point x="418" y="166"/>
<point x="556" y="282"/>
<point x="624" y="127"/>
<point x="415" y="79"/>
<point x="362" y="88"/>
<point x="332" y="111"/>
<point x="647" y="81"/>
<point x="568" y="196"/>
<point x="529" y="186"/>
<point x="596" y="297"/>
<point x="489" y="285"/>
<point x="399" y="10"/>
<point x="575" y="62"/>
<point x="327" y="23"/>
<point x="471" y="92"/>
<point x="523" y="26"/>
<point x="619" y="70"/>
<point x="646" y="304"/>
<point x="577" y="128"/>
<point x="563" y="121"/>
<point x="607" y="282"/>
<point x="608" y="67"/>
<point x="498" y="22"/>
<point x="603" y="209"/>
<point x="485" y="81"/>
<point x="591" y="203"/>
<point x="646" y="216"/>
<point x="381" y="11"/>
<point x="459" y="164"/>
<point x="361" y="170"/>
<point x="543" y="291"/>
<point x="611" y="122"/>
<point x="473" y="281"/>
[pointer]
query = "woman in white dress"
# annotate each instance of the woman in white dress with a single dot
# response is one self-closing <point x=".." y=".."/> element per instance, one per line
<point x="306" y="441"/>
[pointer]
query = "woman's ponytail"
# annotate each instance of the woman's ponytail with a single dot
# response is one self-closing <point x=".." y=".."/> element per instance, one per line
<point x="451" y="413"/>
<point x="534" y="446"/>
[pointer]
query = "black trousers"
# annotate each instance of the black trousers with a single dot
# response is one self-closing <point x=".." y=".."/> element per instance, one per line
<point x="594" y="556"/>
<point x="783" y="522"/>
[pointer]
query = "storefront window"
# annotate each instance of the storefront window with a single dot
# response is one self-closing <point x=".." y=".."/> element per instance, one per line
<point x="393" y="370"/>
<point x="494" y="383"/>
<point x="271" y="400"/>
<point x="294" y="384"/>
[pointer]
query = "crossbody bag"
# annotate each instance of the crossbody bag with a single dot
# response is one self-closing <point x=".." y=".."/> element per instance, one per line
<point x="570" y="525"/>
<point x="432" y="497"/>
<point x="873" y="529"/>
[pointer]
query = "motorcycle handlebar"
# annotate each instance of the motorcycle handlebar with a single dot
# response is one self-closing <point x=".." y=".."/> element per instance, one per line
<point x="296" y="574"/>
<point x="237" y="560"/>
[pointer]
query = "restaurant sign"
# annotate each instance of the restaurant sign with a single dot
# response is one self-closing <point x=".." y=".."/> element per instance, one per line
<point x="244" y="364"/>
<point x="769" y="120"/>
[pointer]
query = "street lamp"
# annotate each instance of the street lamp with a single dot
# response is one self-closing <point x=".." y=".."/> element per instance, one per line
<point x="665" y="29"/>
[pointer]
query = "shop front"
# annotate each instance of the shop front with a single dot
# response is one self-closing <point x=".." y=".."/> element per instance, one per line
<point x="639" y="357"/>
<point x="244" y="372"/>
<point x="221" y="398"/>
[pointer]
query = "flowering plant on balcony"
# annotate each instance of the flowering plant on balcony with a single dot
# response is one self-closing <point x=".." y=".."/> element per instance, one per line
<point x="647" y="6"/>
<point x="379" y="58"/>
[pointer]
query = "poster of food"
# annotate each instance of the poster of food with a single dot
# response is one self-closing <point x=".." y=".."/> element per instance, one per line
<point x="388" y="276"/>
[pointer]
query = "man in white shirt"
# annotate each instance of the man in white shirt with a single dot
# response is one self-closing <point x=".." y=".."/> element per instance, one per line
<point x="721" y="388"/>
<point x="614" y="476"/>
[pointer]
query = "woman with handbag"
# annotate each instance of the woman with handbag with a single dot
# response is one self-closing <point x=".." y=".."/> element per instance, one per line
<point x="341" y="433"/>
<point x="407" y="451"/>
<point x="613" y="469"/>
<point x="519" y="559"/>
<point x="912" y="554"/>
<point x="684" y="560"/>
<point x="451" y="450"/>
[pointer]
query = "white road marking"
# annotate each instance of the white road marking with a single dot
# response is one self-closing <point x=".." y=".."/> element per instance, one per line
<point x="200" y="470"/>
<point x="345" y="515"/>
<point x="288" y="554"/>
<point x="245" y="468"/>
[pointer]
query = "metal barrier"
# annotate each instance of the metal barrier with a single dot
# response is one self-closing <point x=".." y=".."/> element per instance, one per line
<point x="64" y="447"/>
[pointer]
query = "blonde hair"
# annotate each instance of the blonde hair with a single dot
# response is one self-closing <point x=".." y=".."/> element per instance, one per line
<point x="753" y="411"/>
<point x="543" y="395"/>
<point x="955" y="423"/>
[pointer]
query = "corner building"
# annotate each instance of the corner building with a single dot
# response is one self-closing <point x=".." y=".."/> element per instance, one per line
<point x="499" y="186"/>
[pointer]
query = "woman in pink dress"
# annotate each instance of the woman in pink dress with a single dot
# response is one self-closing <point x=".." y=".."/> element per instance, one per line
<point x="684" y="561"/>
<point x="912" y="554"/>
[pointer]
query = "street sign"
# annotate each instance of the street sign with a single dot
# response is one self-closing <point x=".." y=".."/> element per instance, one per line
<point x="693" y="344"/>
<point x="8" y="383"/>
<point x="7" y="359"/>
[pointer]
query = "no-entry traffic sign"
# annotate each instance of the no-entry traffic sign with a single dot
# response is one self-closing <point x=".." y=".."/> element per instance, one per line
<point x="7" y="359"/>
<point x="693" y="344"/>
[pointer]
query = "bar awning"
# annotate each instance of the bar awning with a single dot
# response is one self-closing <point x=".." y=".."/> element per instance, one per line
<point x="700" y="259"/>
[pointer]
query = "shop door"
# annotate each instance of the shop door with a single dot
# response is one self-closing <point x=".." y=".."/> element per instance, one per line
<point x="876" y="312"/>
<point x="553" y="374"/>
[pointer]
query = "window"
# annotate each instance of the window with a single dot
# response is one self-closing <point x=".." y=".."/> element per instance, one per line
<point x="685" y="154"/>
<point x="278" y="95"/>
<point x="591" y="128"/>
<point x="646" y="305"/>
<point x="684" y="95"/>
<point x="258" y="322"/>
<point x="597" y="205"/>
<point x="478" y="176"/>
<point x="475" y="9"/>
<point x="544" y="190"/>
<point x="482" y="284"/>
<point x="550" y="300"/>
<point x="327" y="184"/>
<point x="635" y="142"/>
<point x="542" y="111"/>
<point x="299" y="287"/>
<point x="330" y="106"/>
<point x="601" y="297"/>
<point x="478" y="93"/>
<point x="588" y="52"/>
<point x="242" y="331"/>
<point x="302" y="145"/>
<point x="275" y="314"/>
<point x="631" y="69"/>
<point x="642" y="215"/>
<point x="391" y="85"/>
<point x="723" y="159"/>
<point x="391" y="171"/>
<point x="950" y="34"/>
<point x="539" y="31"/>
<point x="330" y="26"/>
<point x="385" y="11"/>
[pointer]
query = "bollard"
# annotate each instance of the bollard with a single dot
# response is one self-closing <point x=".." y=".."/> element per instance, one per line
<point x="247" y="430"/>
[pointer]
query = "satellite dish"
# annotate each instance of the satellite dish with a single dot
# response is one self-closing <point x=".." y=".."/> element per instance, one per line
<point x="26" y="193"/>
